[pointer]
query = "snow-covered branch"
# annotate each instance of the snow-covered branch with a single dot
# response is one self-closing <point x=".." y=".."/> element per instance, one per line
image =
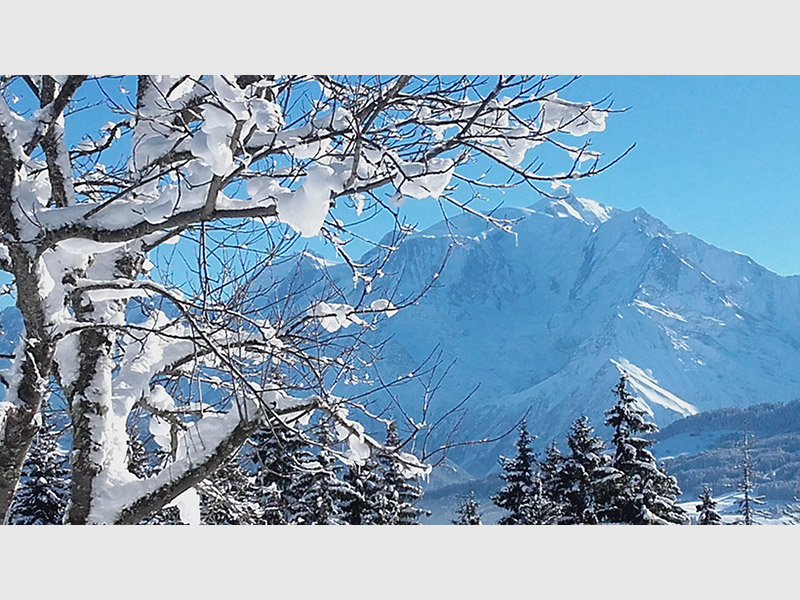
<point x="158" y="261"/>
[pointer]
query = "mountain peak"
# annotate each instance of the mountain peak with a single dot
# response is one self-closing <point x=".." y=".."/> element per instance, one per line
<point x="569" y="206"/>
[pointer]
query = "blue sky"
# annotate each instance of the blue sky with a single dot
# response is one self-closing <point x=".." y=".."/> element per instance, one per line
<point x="715" y="156"/>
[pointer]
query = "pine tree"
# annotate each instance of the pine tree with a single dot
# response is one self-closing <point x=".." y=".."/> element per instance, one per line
<point x="707" y="508"/>
<point x="325" y="493"/>
<point x="555" y="482"/>
<point x="644" y="494"/>
<point x="271" y="503"/>
<point x="586" y="477"/>
<point x="139" y="461"/>
<point x="231" y="497"/>
<point x="361" y="504"/>
<point x="523" y="495"/>
<point x="278" y="456"/>
<point x="746" y="486"/>
<point x="396" y="496"/>
<point x="43" y="491"/>
<point x="468" y="511"/>
<point x="791" y="512"/>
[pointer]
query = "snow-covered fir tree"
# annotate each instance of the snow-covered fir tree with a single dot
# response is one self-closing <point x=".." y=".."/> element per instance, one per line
<point x="791" y="512"/>
<point x="325" y="493"/>
<point x="707" y="509"/>
<point x="644" y="494"/>
<point x="587" y="477"/>
<point x="271" y="502"/>
<point x="231" y="497"/>
<point x="397" y="496"/>
<point x="278" y="456"/>
<point x="522" y="495"/>
<point x="518" y="472"/>
<point x="555" y="484"/>
<point x="468" y="511"/>
<point x="43" y="492"/>
<point x="746" y="486"/>
<point x="363" y="493"/>
<point x="138" y="459"/>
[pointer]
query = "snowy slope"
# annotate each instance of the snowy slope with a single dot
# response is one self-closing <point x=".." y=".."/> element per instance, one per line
<point x="545" y="320"/>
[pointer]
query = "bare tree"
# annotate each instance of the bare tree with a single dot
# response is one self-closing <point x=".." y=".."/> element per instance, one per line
<point x="149" y="227"/>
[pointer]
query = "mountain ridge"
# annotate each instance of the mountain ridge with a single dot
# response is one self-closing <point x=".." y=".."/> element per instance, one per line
<point x="547" y="318"/>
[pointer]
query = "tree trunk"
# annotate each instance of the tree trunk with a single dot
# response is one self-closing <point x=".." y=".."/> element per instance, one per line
<point x="97" y="441"/>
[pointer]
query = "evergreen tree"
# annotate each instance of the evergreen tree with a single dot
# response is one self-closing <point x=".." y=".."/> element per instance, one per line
<point x="468" y="511"/>
<point x="139" y="461"/>
<point x="644" y="494"/>
<point x="278" y="456"/>
<point x="746" y="486"/>
<point x="361" y="504"/>
<point x="791" y="512"/>
<point x="556" y="484"/>
<point x="231" y="497"/>
<point x="43" y="490"/>
<point x="325" y="493"/>
<point x="522" y="496"/>
<point x="396" y="496"/>
<point x="271" y="503"/>
<point x="707" y="509"/>
<point x="586" y="476"/>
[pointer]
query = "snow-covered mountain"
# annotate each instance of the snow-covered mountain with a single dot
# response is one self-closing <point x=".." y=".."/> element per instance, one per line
<point x="544" y="320"/>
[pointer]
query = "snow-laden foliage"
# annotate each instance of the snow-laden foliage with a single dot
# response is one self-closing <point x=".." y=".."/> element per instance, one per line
<point x="324" y="492"/>
<point x="397" y="497"/>
<point x="707" y="509"/>
<point x="468" y="511"/>
<point x="523" y="494"/>
<point x="362" y="493"/>
<point x="278" y="457"/>
<point x="588" y="485"/>
<point x="644" y="494"/>
<point x="231" y="497"/>
<point x="556" y="483"/>
<point x="590" y="475"/>
<point x="147" y="224"/>
<point x="41" y="498"/>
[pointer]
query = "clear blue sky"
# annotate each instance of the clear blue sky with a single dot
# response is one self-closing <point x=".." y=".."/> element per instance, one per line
<point x="715" y="156"/>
